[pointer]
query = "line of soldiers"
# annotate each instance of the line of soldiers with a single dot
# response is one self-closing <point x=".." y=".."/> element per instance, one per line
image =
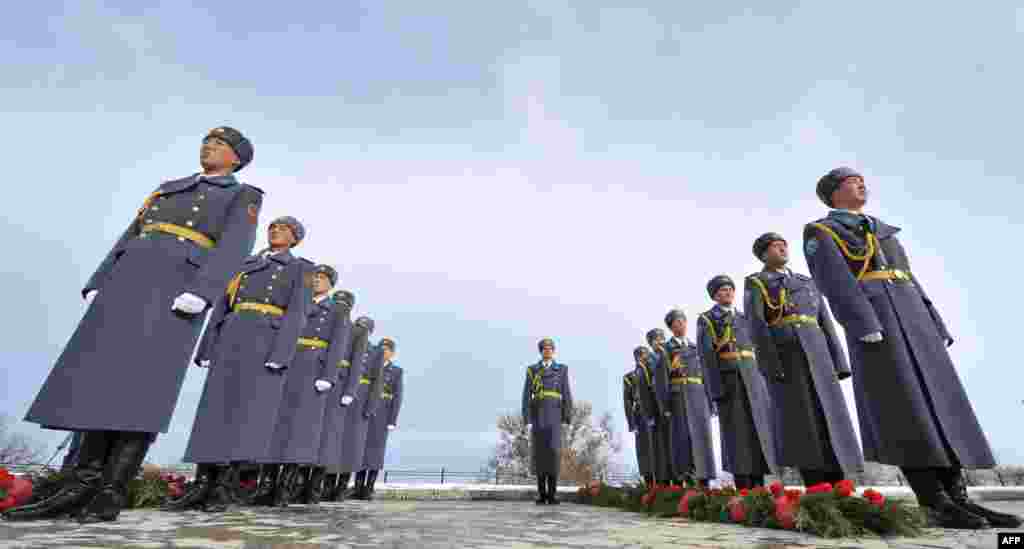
<point x="771" y="373"/>
<point x="294" y="385"/>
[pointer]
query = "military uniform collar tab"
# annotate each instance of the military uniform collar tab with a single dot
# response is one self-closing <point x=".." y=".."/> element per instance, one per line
<point x="283" y="258"/>
<point x="219" y="180"/>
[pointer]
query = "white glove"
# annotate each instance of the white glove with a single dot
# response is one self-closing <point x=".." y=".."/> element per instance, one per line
<point x="189" y="303"/>
<point x="273" y="366"/>
<point x="873" y="337"/>
<point x="90" y="295"/>
<point x="346" y="400"/>
<point x="529" y="426"/>
<point x="391" y="427"/>
<point x="322" y="385"/>
<point x="204" y="363"/>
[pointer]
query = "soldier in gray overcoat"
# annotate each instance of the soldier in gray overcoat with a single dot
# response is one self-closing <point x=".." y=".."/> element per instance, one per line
<point x="310" y="380"/>
<point x="118" y="379"/>
<point x="353" y="446"/>
<point x="636" y="422"/>
<point x="691" y="407"/>
<point x="335" y="412"/>
<point x="547" y="404"/>
<point x="648" y="411"/>
<point x="799" y="354"/>
<point x="386" y="418"/>
<point x="664" y="466"/>
<point x="735" y="383"/>
<point x="248" y="345"/>
<point x="360" y="354"/>
<point x="912" y="407"/>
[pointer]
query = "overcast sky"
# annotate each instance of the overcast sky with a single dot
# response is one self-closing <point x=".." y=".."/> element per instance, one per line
<point x="484" y="174"/>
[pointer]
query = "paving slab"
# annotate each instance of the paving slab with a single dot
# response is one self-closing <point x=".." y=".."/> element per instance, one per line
<point x="399" y="524"/>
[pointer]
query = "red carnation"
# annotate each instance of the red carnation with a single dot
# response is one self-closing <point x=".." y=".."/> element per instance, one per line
<point x="737" y="511"/>
<point x="785" y="512"/>
<point x="844" y="488"/>
<point x="777" y="488"/>
<point x="684" y="502"/>
<point x="819" y="488"/>
<point x="744" y="492"/>
<point x="874" y="496"/>
<point x="793" y="494"/>
<point x="5" y="478"/>
<point x="676" y="488"/>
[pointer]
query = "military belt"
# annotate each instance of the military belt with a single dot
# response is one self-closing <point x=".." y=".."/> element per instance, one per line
<point x="313" y="342"/>
<point x="183" y="233"/>
<point x="264" y="308"/>
<point x="344" y="364"/>
<point x="387" y="396"/>
<point x="887" y="274"/>
<point x="736" y="355"/>
<point x="547" y="394"/>
<point x="687" y="381"/>
<point x="364" y="380"/>
<point x="789" y="320"/>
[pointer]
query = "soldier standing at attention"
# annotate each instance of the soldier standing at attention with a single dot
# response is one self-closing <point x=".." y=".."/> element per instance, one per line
<point x="636" y="421"/>
<point x="249" y="344"/>
<point x="735" y="383"/>
<point x="386" y="418"/>
<point x="649" y="409"/>
<point x="336" y="410"/>
<point x="799" y="352"/>
<point x="353" y="448"/>
<point x="913" y="411"/>
<point x="300" y="421"/>
<point x="118" y="379"/>
<point x="547" y="404"/>
<point x="691" y="406"/>
<point x="664" y="466"/>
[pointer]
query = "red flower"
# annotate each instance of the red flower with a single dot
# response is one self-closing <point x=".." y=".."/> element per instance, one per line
<point x="675" y="488"/>
<point x="819" y="488"/>
<point x="793" y="494"/>
<point x="744" y="492"/>
<point x="785" y="512"/>
<point x="737" y="511"/>
<point x="646" y="499"/>
<point x="20" y="489"/>
<point x="777" y="488"/>
<point x="174" y="490"/>
<point x="844" y="488"/>
<point x="595" y="491"/>
<point x="7" y="503"/>
<point x="874" y="496"/>
<point x="5" y="478"/>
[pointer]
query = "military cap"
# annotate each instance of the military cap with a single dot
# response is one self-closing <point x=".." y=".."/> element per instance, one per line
<point x="297" y="229"/>
<point x="830" y="182"/>
<point x="238" y="143"/>
<point x="546" y="342"/>
<point x="765" y="240"/>
<point x="387" y="342"/>
<point x="673" y="315"/>
<point x="718" y="283"/>
<point x="655" y="333"/>
<point x="332" y="275"/>
<point x="366" y="322"/>
<point x="346" y="297"/>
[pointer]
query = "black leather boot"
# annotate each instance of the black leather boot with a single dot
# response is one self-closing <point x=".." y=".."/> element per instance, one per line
<point x="832" y="477"/>
<point x="329" y="487"/>
<point x="314" y="488"/>
<point x="371" y="482"/>
<point x="122" y="467"/>
<point x="269" y="474"/>
<point x="956" y="487"/>
<point x="542" y="490"/>
<point x="193" y="498"/>
<point x="553" y="490"/>
<point x="285" y="483"/>
<point x="812" y="477"/>
<point x="941" y="510"/>
<point x="740" y="481"/>
<point x="223" y="491"/>
<point x="359" y="491"/>
<point x="343" y="479"/>
<point x="82" y="485"/>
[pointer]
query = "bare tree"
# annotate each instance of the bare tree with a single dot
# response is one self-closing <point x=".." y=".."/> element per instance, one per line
<point x="587" y="446"/>
<point x="17" y="449"/>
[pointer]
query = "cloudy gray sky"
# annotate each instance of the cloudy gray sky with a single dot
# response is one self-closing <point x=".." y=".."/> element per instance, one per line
<point x="486" y="174"/>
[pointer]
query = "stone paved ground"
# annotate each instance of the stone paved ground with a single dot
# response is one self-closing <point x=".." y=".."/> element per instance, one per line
<point x="436" y="524"/>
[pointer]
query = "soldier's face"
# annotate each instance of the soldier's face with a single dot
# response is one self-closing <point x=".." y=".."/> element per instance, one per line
<point x="777" y="254"/>
<point x="321" y="284"/>
<point x="679" y="327"/>
<point x="725" y="295"/>
<point x="388" y="354"/>
<point x="852" y="193"/>
<point x="548" y="352"/>
<point x="280" y="236"/>
<point x="640" y="358"/>
<point x="216" y="155"/>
